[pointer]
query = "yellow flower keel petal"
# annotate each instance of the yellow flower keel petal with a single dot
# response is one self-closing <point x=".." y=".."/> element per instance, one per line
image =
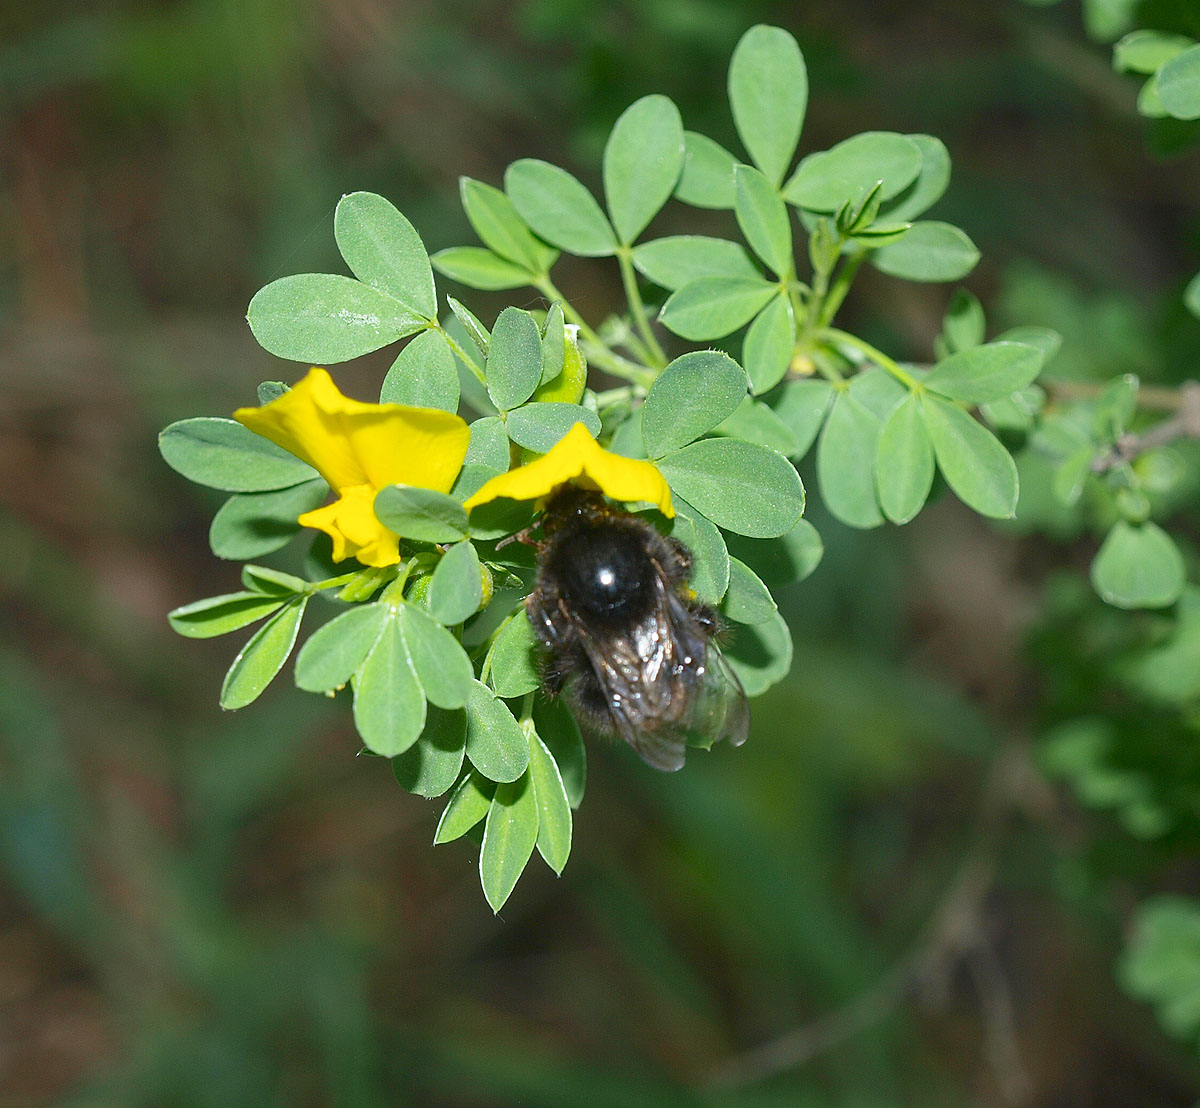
<point x="578" y="457"/>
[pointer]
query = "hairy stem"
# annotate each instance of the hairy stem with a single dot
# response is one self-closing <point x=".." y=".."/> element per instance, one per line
<point x="462" y="355"/>
<point x="637" y="308"/>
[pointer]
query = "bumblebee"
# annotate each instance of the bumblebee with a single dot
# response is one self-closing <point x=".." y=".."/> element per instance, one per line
<point x="626" y="643"/>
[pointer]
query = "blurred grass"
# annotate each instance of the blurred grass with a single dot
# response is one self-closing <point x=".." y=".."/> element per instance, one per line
<point x="202" y="909"/>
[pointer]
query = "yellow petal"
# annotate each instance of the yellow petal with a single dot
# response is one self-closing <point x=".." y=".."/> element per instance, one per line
<point x="351" y="443"/>
<point x="350" y="522"/>
<point x="578" y="457"/>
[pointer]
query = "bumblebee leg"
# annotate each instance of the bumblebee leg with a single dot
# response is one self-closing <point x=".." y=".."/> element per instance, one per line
<point x="546" y="619"/>
<point x="678" y="562"/>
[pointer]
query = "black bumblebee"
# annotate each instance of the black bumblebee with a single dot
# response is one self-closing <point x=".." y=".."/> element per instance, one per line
<point x="625" y="644"/>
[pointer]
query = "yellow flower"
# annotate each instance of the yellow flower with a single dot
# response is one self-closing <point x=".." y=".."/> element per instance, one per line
<point x="578" y="457"/>
<point x="359" y="449"/>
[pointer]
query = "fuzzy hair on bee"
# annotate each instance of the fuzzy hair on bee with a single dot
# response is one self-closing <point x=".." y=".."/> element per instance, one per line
<point x="626" y="642"/>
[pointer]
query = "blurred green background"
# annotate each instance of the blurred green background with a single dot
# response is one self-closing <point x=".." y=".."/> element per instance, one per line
<point x="201" y="909"/>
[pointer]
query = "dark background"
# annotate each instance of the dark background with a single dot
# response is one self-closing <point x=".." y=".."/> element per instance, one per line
<point x="204" y="909"/>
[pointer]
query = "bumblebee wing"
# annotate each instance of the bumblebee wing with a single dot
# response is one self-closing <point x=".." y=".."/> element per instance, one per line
<point x="718" y="709"/>
<point x="631" y="673"/>
<point x="666" y="686"/>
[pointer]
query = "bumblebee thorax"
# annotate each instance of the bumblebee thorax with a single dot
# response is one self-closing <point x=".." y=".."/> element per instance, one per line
<point x="603" y="571"/>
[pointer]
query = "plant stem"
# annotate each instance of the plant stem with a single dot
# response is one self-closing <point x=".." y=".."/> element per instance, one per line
<point x="637" y="308"/>
<point x="1153" y="398"/>
<point x="1184" y="424"/>
<point x="840" y="286"/>
<point x="875" y="355"/>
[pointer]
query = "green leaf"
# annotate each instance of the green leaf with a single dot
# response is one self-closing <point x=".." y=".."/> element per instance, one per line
<point x="802" y="406"/>
<point x="471" y="325"/>
<point x="554" y="810"/>
<point x="846" y="462"/>
<point x="642" y="162"/>
<point x="929" y="251"/>
<point x="1179" y="84"/>
<point x="389" y="706"/>
<point x="558" y="730"/>
<point x="1149" y="103"/>
<point x="748" y="599"/>
<point x="707" y="177"/>
<point x="983" y="373"/>
<point x="263" y="656"/>
<point x="501" y="229"/>
<point x="763" y="218"/>
<point x="509" y="836"/>
<point x="1138" y="566"/>
<point x="514" y="361"/>
<point x="441" y="665"/>
<point x="1046" y="340"/>
<point x="768" y="92"/>
<point x="691" y="396"/>
<point x="468" y="804"/>
<point x="976" y="466"/>
<point x="710" y="559"/>
<point x="270" y="390"/>
<point x="218" y="615"/>
<point x="334" y="652"/>
<point x="422" y="514"/>
<point x="273" y="582"/>
<point x="927" y="189"/>
<point x="423" y="375"/>
<point x="877" y="390"/>
<point x="904" y="463"/>
<point x="539" y="426"/>
<point x="222" y="454"/>
<point x="677" y="260"/>
<point x="761" y="655"/>
<point x="1162" y="963"/>
<point x="471" y="478"/>
<point x="740" y="486"/>
<point x="1071" y="476"/>
<point x="500" y="518"/>
<point x="1106" y="20"/>
<point x="432" y="764"/>
<point x="478" y="268"/>
<point x="384" y="251"/>
<point x="489" y="445"/>
<point x="1191" y="296"/>
<point x="496" y="744"/>
<point x="457" y="587"/>
<point x="554" y="344"/>
<point x="1115" y="407"/>
<point x="627" y="437"/>
<point x="755" y="422"/>
<point x="711" y="307"/>
<point x="324" y="318"/>
<point x="785" y="560"/>
<point x="824" y="181"/>
<point x="249" y="525"/>
<point x="559" y="208"/>
<point x="964" y="325"/>
<point x="515" y="658"/>
<point x="1145" y="51"/>
<point x="768" y="345"/>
